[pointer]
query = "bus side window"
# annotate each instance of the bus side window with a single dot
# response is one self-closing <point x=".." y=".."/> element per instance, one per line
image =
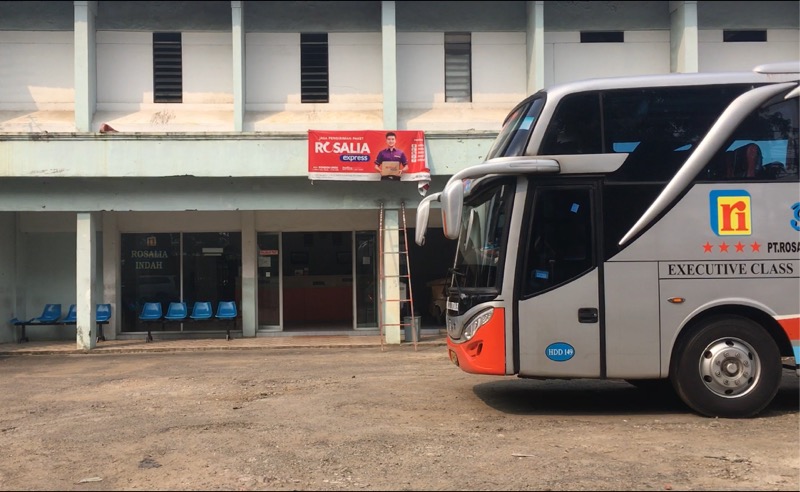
<point x="763" y="146"/>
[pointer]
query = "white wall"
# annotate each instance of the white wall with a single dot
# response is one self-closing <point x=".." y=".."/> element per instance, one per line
<point x="124" y="69"/>
<point x="355" y="69"/>
<point x="566" y="59"/>
<point x="273" y="70"/>
<point x="36" y="71"/>
<point x="716" y="56"/>
<point x="420" y="69"/>
<point x="207" y="68"/>
<point x="498" y="67"/>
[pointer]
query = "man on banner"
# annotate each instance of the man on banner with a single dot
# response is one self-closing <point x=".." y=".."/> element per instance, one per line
<point x="391" y="161"/>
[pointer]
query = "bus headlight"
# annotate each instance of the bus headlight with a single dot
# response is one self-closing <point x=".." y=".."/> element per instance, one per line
<point x="476" y="322"/>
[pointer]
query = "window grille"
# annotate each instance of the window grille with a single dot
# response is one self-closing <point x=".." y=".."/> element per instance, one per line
<point x="457" y="67"/>
<point x="602" y="37"/>
<point x="314" y="75"/>
<point x="744" y="36"/>
<point x="167" y="67"/>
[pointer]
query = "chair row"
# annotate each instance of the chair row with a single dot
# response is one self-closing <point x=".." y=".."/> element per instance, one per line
<point x="177" y="312"/>
<point x="51" y="315"/>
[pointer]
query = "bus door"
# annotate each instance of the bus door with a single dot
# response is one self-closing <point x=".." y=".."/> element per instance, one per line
<point x="559" y="316"/>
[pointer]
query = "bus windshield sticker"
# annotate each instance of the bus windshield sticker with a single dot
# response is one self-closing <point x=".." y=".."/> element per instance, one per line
<point x="574" y="208"/>
<point x="526" y="124"/>
<point x="541" y="274"/>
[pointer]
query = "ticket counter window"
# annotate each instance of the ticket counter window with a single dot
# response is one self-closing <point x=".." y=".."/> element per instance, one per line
<point x="317" y="280"/>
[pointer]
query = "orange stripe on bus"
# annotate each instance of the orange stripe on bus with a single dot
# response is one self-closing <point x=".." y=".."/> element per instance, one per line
<point x="791" y="326"/>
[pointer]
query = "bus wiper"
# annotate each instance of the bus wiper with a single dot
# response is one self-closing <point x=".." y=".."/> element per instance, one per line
<point x="456" y="284"/>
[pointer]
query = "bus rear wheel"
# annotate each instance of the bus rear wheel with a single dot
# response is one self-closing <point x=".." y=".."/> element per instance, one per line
<point x="729" y="367"/>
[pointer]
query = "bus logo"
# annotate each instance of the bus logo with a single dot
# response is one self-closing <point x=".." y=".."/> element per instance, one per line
<point x="730" y="212"/>
<point x="559" y="351"/>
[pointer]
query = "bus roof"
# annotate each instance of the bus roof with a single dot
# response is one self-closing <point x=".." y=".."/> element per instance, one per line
<point x="768" y="73"/>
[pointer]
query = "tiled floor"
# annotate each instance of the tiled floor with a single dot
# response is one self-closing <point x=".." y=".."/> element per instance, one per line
<point x="432" y="337"/>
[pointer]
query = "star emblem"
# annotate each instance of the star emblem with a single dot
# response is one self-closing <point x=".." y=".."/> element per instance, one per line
<point x="756" y="247"/>
<point x="708" y="247"/>
<point x="739" y="247"/>
<point x="723" y="248"/>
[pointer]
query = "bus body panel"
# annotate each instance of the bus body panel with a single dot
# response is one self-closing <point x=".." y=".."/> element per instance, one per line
<point x="703" y="294"/>
<point x="633" y="348"/>
<point x="699" y="220"/>
<point x="552" y="342"/>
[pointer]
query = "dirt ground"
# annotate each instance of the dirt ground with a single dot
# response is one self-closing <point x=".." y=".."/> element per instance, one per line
<point x="365" y="419"/>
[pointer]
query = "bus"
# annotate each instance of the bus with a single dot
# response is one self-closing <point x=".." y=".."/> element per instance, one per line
<point x="643" y="228"/>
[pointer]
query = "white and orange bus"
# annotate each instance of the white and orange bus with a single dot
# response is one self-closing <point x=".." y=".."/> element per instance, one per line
<point x="641" y="228"/>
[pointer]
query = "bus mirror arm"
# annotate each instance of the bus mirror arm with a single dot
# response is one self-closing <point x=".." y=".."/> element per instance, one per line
<point x="452" y="198"/>
<point x="423" y="211"/>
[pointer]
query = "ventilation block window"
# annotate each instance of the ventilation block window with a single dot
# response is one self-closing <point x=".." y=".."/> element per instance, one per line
<point x="602" y="37"/>
<point x="314" y="80"/>
<point x="458" y="67"/>
<point x="167" y="67"/>
<point x="744" y="36"/>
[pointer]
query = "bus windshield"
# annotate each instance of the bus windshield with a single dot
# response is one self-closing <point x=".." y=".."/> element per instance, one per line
<point x="517" y="129"/>
<point x="483" y="234"/>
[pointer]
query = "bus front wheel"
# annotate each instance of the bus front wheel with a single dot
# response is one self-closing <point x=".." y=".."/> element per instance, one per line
<point x="729" y="367"/>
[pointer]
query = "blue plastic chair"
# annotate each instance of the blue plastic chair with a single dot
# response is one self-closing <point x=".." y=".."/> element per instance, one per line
<point x="151" y="311"/>
<point x="102" y="316"/>
<point x="176" y="311"/>
<point x="50" y="315"/>
<point x="202" y="311"/>
<point x="72" y="316"/>
<point x="226" y="310"/>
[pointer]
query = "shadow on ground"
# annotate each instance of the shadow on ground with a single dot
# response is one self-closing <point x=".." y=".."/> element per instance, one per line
<point x="607" y="397"/>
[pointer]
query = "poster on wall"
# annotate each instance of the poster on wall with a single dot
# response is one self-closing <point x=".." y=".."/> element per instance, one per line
<point x="369" y="155"/>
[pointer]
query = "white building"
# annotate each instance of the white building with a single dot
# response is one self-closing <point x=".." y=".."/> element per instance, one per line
<point x="203" y="192"/>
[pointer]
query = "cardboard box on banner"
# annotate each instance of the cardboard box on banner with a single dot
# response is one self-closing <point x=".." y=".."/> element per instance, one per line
<point x="390" y="168"/>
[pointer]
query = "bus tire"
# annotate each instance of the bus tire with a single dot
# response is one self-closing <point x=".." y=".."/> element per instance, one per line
<point x="729" y="367"/>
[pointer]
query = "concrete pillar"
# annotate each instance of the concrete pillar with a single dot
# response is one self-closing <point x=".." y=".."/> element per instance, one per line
<point x="389" y="57"/>
<point x="683" y="44"/>
<point x="239" y="65"/>
<point x="85" y="65"/>
<point x="391" y="282"/>
<point x="249" y="277"/>
<point x="112" y="280"/>
<point x="85" y="274"/>
<point x="535" y="46"/>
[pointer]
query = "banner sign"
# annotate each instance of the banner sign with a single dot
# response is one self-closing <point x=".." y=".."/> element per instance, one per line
<point x="368" y="155"/>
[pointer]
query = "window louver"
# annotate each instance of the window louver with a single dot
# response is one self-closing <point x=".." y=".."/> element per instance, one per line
<point x="458" y="67"/>
<point x="167" y="67"/>
<point x="314" y="84"/>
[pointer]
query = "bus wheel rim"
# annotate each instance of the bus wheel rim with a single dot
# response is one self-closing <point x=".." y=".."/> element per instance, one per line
<point x="730" y="367"/>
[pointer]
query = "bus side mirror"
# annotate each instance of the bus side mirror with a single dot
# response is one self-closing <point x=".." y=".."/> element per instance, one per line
<point x="452" y="204"/>
<point x="423" y="212"/>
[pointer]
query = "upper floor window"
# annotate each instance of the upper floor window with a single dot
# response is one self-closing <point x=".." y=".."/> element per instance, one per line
<point x="602" y="37"/>
<point x="167" y="67"/>
<point x="457" y="67"/>
<point x="758" y="36"/>
<point x="314" y="74"/>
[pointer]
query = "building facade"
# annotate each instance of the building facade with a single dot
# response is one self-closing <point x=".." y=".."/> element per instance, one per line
<point x="158" y="151"/>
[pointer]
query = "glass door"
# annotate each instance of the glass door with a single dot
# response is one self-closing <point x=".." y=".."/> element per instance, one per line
<point x="269" y="276"/>
<point x="366" y="272"/>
